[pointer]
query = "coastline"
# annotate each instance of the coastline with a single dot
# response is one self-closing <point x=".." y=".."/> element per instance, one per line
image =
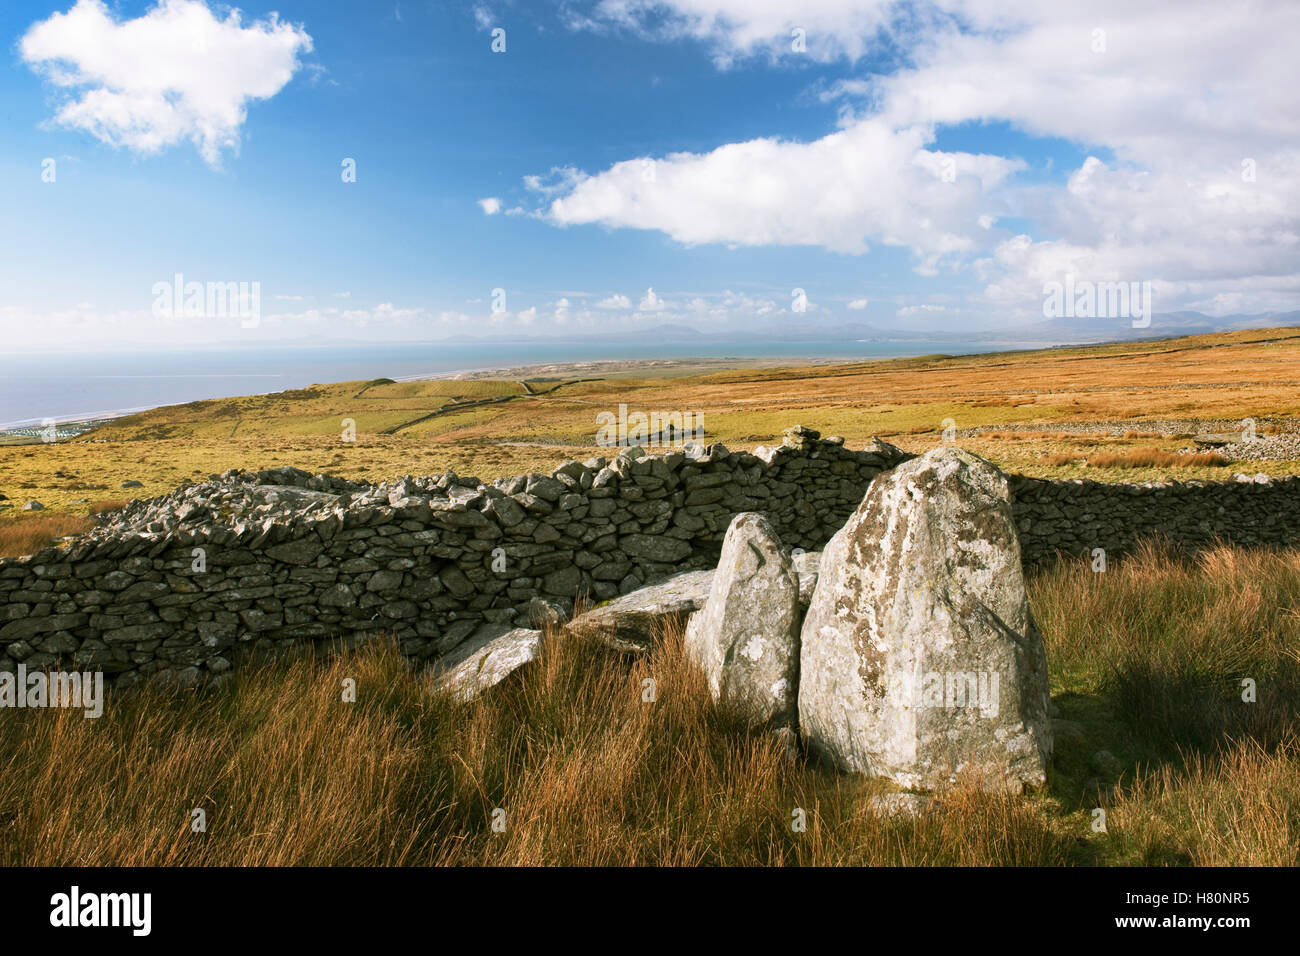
<point x="27" y="430"/>
<point x="78" y="423"/>
<point x="608" y="368"/>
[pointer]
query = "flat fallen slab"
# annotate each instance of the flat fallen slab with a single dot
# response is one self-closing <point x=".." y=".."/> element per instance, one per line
<point x="630" y="623"/>
<point x="488" y="657"/>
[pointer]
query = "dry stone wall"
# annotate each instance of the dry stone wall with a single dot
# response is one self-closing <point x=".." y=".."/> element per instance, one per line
<point x="176" y="588"/>
<point x="1075" y="517"/>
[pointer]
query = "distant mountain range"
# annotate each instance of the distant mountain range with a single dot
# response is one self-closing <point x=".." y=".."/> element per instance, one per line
<point x="1163" y="325"/>
<point x="1064" y="331"/>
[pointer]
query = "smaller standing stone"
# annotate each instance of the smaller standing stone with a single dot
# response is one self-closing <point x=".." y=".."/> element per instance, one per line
<point x="746" y="639"/>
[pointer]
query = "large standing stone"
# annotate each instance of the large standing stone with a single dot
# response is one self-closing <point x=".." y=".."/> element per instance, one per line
<point x="746" y="638"/>
<point x="920" y="658"/>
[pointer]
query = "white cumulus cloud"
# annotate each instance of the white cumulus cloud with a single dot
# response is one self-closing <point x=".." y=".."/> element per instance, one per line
<point x="865" y="183"/>
<point x="651" y="302"/>
<point x="735" y="29"/>
<point x="176" y="73"/>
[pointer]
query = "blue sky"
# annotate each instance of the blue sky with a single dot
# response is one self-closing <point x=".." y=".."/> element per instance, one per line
<point x="891" y="188"/>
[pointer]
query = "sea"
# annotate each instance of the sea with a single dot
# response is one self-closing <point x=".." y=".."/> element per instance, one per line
<point x="69" y="385"/>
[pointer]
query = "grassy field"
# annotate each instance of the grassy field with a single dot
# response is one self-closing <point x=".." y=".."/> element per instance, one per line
<point x="1146" y="659"/>
<point x="496" y="428"/>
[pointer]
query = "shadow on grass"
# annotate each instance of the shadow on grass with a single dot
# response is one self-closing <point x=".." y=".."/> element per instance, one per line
<point x="1177" y="681"/>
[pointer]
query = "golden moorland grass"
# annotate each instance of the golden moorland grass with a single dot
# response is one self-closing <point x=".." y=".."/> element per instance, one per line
<point x="1146" y="658"/>
<point x="494" y="428"/>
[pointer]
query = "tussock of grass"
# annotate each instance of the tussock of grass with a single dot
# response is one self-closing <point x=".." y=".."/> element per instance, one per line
<point x="1060" y="459"/>
<point x="29" y="534"/>
<point x="1171" y="638"/>
<point x="1155" y="458"/>
<point x="1242" y="809"/>
<point x="1151" y="656"/>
